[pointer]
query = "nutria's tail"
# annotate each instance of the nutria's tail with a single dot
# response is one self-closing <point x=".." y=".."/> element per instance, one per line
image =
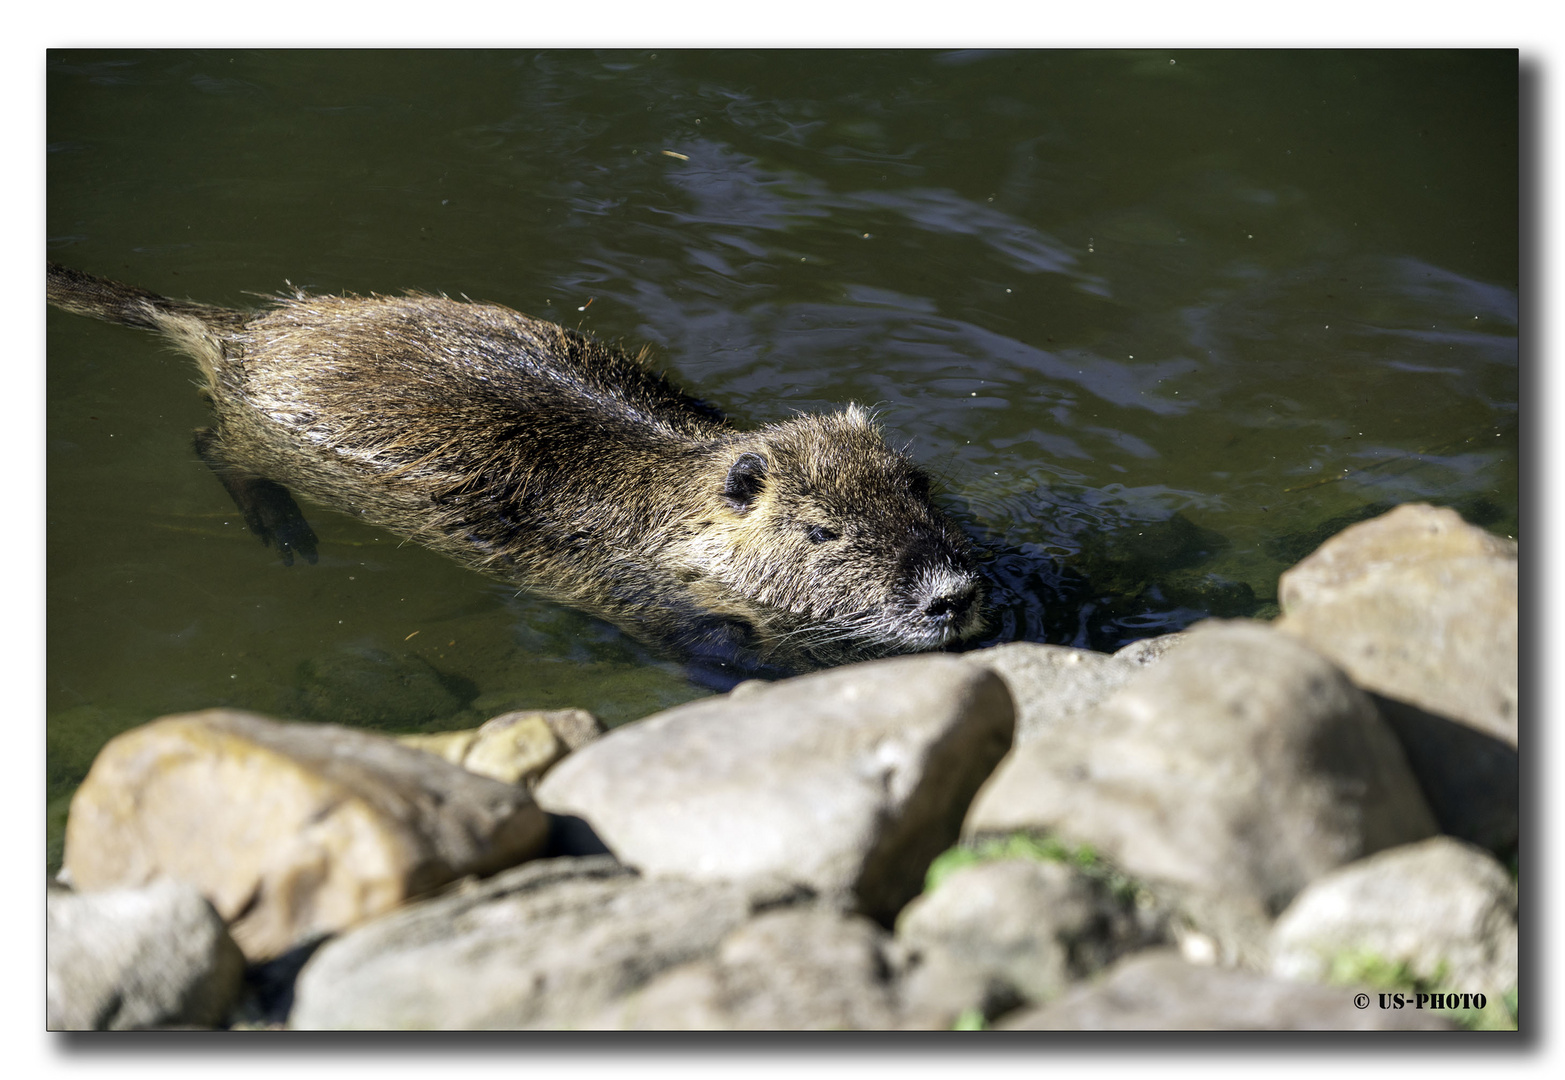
<point x="201" y="330"/>
<point x="100" y="298"/>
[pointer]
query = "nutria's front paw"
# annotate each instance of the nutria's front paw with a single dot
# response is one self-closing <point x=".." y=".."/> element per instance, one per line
<point x="269" y="510"/>
<point x="272" y="515"/>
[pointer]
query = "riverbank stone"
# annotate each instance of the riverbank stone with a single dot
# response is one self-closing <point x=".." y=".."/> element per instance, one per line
<point x="1241" y="765"/>
<point x="1441" y="911"/>
<point x="847" y="782"/>
<point x="290" y="830"/>
<point x="803" y="968"/>
<point x="1420" y="609"/>
<point x="1024" y="929"/>
<point x="1155" y="990"/>
<point x="1149" y="650"/>
<point x="1050" y="682"/>
<point x="551" y="944"/>
<point x="147" y="957"/>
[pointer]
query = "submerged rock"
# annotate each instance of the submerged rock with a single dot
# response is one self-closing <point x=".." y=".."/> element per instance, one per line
<point x="371" y="688"/>
<point x="291" y="830"/>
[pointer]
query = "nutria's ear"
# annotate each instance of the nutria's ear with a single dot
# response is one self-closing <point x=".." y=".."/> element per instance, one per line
<point x="745" y="480"/>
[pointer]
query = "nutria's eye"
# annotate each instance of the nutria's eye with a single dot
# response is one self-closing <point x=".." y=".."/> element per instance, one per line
<point x="820" y="534"/>
<point x="918" y="481"/>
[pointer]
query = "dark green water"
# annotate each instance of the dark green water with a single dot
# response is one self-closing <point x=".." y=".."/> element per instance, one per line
<point x="1160" y="322"/>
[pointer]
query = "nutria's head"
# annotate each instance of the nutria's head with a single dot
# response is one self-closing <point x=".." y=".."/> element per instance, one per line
<point x="824" y="539"/>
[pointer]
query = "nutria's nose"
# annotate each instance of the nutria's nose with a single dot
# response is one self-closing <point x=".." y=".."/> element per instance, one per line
<point x="952" y="604"/>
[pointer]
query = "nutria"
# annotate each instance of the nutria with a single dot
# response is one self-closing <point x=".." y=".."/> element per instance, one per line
<point x="539" y="455"/>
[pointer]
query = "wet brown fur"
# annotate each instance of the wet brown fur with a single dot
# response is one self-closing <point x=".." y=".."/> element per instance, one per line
<point x="534" y="453"/>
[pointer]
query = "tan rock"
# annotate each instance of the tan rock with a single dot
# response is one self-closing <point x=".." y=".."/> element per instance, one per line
<point x="574" y="727"/>
<point x="515" y="747"/>
<point x="290" y="830"/>
<point x="451" y="746"/>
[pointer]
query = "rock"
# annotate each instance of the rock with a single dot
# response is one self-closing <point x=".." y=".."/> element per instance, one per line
<point x="1157" y="991"/>
<point x="1471" y="780"/>
<point x="290" y="830"/>
<point x="573" y="727"/>
<point x="1441" y="909"/>
<point x="1420" y="608"/>
<point x="1417" y="605"/>
<point x="1050" y="682"/>
<point x="1241" y="765"/>
<point x="939" y="990"/>
<point x="370" y="688"/>
<point x="1031" y="927"/>
<point x="1149" y="650"/>
<point x="847" y="781"/>
<point x="1228" y="929"/>
<point x="515" y="747"/>
<point x="449" y="746"/>
<point x="155" y="956"/>
<point x="797" y="969"/>
<point x="551" y="944"/>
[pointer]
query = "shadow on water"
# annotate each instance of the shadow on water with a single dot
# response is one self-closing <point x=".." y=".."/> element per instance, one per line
<point x="1145" y="578"/>
<point x="1123" y="584"/>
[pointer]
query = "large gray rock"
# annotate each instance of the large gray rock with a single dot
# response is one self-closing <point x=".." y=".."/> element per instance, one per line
<point x="847" y="781"/>
<point x="1050" y="683"/>
<point x="551" y="944"/>
<point x="1442" y="909"/>
<point x="1149" y="650"/>
<point x="1157" y="991"/>
<point x="1241" y="764"/>
<point x="291" y="830"/>
<point x="1033" y="927"/>
<point x="155" y="956"/>
<point x="1419" y="607"/>
<point x="799" y="969"/>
